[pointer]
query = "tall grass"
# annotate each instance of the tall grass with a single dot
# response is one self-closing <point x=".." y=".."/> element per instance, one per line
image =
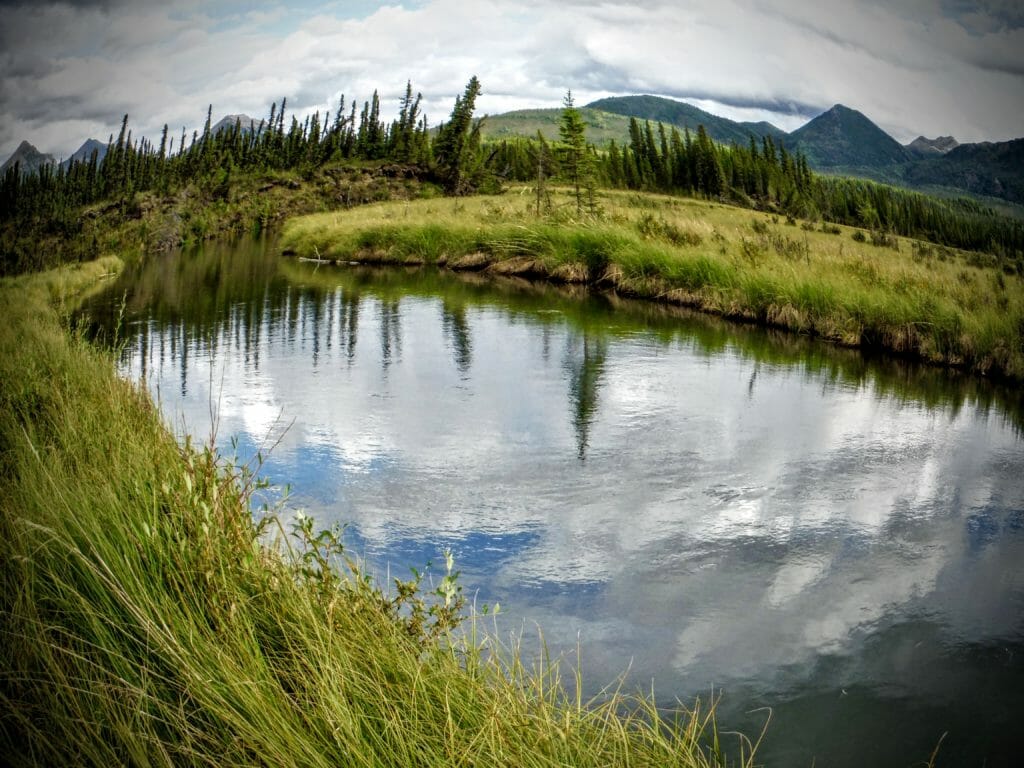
<point x="148" y="619"/>
<point x="907" y="297"/>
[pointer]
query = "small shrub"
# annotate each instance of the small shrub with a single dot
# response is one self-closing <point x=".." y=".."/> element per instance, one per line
<point x="883" y="239"/>
<point x="657" y="228"/>
<point x="752" y="251"/>
<point x="981" y="260"/>
<point x="859" y="236"/>
<point x="790" y="248"/>
<point x="920" y="251"/>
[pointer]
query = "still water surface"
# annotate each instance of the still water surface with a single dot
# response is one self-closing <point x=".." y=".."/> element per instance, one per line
<point x="708" y="506"/>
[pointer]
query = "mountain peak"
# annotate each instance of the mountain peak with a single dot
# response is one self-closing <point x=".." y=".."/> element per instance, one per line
<point x="29" y="159"/>
<point x="229" y="121"/>
<point x="845" y="137"/>
<point x="84" y="152"/>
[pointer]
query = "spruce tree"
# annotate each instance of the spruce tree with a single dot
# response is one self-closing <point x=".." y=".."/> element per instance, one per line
<point x="572" y="131"/>
<point x="454" y="147"/>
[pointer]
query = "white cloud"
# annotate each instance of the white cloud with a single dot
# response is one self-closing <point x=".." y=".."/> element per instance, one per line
<point x="918" y="67"/>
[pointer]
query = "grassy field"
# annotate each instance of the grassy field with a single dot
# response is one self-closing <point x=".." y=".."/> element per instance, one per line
<point x="149" y="619"/>
<point x="849" y="286"/>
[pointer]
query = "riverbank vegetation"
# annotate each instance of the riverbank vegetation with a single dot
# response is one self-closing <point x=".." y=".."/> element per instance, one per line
<point x="846" y="285"/>
<point x="150" y="619"/>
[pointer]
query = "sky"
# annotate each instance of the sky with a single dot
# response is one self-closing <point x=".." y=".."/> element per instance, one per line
<point x="71" y="70"/>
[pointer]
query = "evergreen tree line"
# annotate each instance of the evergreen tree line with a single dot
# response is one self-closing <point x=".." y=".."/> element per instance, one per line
<point x="766" y="176"/>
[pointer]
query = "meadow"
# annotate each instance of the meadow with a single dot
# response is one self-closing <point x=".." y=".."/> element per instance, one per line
<point x="854" y="287"/>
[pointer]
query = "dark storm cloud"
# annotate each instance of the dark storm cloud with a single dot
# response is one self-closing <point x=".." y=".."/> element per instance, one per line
<point x="781" y="106"/>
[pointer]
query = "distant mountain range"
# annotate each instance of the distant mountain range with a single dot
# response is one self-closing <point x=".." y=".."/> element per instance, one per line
<point x="840" y="140"/>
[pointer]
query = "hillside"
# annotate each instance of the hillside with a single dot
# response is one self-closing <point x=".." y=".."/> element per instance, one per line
<point x="602" y="127"/>
<point x="991" y="169"/>
<point x="683" y="115"/>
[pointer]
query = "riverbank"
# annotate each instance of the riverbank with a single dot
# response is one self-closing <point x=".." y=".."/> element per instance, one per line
<point x="149" y="619"/>
<point x="859" y="289"/>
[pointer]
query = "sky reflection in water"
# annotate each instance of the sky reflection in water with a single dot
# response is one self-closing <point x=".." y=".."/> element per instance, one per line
<point x="695" y="504"/>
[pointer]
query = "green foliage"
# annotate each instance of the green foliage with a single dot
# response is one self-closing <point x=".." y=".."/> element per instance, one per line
<point x="457" y="145"/>
<point x="574" y="143"/>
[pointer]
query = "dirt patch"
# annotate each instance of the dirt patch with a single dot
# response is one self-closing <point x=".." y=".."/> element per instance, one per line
<point x="471" y="261"/>
<point x="522" y="266"/>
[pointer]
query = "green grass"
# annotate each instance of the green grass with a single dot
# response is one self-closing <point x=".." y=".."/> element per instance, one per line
<point x="148" y="619"/>
<point x="884" y="292"/>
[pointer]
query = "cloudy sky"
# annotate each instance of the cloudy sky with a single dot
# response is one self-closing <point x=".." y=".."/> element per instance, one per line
<point x="70" y="70"/>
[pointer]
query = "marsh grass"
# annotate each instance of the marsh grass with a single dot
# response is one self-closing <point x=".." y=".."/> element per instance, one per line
<point x="886" y="292"/>
<point x="149" y="619"/>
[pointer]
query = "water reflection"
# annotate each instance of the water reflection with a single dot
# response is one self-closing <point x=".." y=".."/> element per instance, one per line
<point x="584" y="362"/>
<point x="835" y="537"/>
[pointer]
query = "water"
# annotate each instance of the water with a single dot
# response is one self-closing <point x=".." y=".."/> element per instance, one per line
<point x="711" y="507"/>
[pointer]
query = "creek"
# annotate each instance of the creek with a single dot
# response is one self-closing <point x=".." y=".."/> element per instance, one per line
<point x="699" y="506"/>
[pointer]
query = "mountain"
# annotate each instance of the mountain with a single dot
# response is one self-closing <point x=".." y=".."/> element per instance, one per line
<point x="29" y="159"/>
<point x="683" y="115"/>
<point x="922" y="147"/>
<point x="844" y="137"/>
<point x="993" y="169"/>
<point x="228" y="121"/>
<point x="84" y="152"/>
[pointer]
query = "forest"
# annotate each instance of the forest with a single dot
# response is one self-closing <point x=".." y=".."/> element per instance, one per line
<point x="454" y="157"/>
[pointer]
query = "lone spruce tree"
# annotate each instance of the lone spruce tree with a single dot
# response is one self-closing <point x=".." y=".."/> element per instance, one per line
<point x="572" y="131"/>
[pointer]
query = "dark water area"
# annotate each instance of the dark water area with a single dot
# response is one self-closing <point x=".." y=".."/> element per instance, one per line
<point x="703" y="506"/>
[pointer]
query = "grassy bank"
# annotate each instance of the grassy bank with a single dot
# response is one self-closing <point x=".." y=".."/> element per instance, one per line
<point x="845" y="285"/>
<point x="148" y="620"/>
